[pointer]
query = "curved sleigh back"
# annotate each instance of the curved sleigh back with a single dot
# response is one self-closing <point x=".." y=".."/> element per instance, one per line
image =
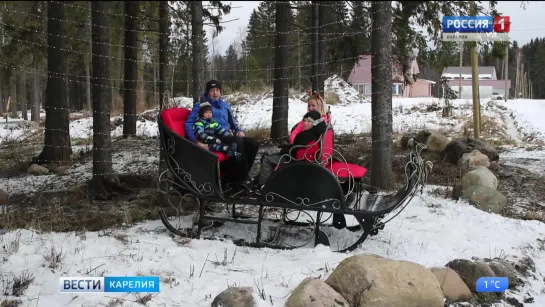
<point x="304" y="184"/>
<point x="194" y="168"/>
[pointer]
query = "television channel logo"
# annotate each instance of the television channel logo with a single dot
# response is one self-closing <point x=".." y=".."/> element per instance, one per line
<point x="476" y="28"/>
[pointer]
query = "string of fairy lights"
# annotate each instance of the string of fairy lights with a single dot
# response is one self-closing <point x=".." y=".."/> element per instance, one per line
<point x="37" y="144"/>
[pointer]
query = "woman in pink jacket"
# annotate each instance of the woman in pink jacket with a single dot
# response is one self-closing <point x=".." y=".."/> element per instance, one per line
<point x="269" y="161"/>
<point x="314" y="103"/>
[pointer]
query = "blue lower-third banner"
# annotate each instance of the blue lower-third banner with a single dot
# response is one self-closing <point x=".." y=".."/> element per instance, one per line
<point x="131" y="284"/>
<point x="127" y="284"/>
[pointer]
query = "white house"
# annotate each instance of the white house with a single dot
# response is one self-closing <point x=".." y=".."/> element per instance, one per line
<point x="488" y="81"/>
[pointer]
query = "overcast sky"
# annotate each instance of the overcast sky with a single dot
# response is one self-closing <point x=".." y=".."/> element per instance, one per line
<point x="525" y="24"/>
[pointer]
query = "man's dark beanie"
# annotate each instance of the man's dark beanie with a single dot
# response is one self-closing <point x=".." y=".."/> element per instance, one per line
<point x="212" y="84"/>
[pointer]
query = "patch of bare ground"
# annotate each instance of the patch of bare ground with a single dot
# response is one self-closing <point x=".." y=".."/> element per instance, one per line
<point x="72" y="210"/>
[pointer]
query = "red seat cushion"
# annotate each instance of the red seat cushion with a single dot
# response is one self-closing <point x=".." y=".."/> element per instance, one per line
<point x="343" y="170"/>
<point x="174" y="119"/>
<point x="308" y="153"/>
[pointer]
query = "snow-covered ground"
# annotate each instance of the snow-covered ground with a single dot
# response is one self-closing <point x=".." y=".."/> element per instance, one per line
<point x="431" y="231"/>
<point x="409" y="114"/>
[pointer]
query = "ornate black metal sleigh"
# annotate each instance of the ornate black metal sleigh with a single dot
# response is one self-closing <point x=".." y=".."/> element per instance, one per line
<point x="316" y="198"/>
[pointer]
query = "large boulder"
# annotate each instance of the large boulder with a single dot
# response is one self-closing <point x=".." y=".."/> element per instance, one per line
<point x="480" y="176"/>
<point x="452" y="285"/>
<point x="485" y="198"/>
<point x="470" y="271"/>
<point x="473" y="159"/>
<point x="455" y="150"/>
<point x="420" y="137"/>
<point x="370" y="280"/>
<point x="37" y="170"/>
<point x="235" y="297"/>
<point x="436" y="142"/>
<point x="313" y="292"/>
<point x="504" y="268"/>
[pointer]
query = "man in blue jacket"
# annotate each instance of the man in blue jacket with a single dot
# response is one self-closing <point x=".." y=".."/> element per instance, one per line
<point x="221" y="111"/>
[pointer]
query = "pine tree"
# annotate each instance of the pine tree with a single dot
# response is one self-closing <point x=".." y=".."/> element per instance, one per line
<point x="360" y="23"/>
<point x="231" y="74"/>
<point x="260" y="39"/>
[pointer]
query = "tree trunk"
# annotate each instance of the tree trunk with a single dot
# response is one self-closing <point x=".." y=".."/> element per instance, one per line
<point x="22" y="94"/>
<point x="154" y="65"/>
<point x="381" y="96"/>
<point x="197" y="49"/>
<point x="314" y="47"/>
<point x="35" y="104"/>
<point x="131" y="71"/>
<point x="279" y="127"/>
<point x="103" y="175"/>
<point x="163" y="72"/>
<point x="13" y="91"/>
<point x="118" y="80"/>
<point x="67" y="84"/>
<point x="57" y="147"/>
<point x="88" y="63"/>
<point x="322" y="48"/>
<point x="163" y="51"/>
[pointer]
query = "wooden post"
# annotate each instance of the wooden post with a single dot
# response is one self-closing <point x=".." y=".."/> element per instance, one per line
<point x="461" y="65"/>
<point x="475" y="90"/>
<point x="506" y="71"/>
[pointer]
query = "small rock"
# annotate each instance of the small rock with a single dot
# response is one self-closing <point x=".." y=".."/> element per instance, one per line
<point x="420" y="137"/>
<point x="313" y="292"/>
<point x="470" y="271"/>
<point x="535" y="216"/>
<point x="61" y="170"/>
<point x="480" y="176"/>
<point x="4" y="197"/>
<point x="37" y="170"/>
<point x="473" y="159"/>
<point x="452" y="285"/>
<point x="52" y="167"/>
<point x="494" y="166"/>
<point x="235" y="297"/>
<point x="485" y="198"/>
<point x="436" y="142"/>
<point x="505" y="269"/>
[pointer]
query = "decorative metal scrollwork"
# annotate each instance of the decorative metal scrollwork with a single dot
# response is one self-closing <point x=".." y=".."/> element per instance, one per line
<point x="204" y="189"/>
<point x="303" y="201"/>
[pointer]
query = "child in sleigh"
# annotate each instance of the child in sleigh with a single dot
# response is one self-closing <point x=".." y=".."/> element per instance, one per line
<point x="211" y="133"/>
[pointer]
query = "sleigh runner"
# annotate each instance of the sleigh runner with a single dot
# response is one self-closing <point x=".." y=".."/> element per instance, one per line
<point x="315" y="194"/>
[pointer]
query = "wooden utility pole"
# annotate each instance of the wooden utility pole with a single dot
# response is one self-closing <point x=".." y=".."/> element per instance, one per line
<point x="475" y="85"/>
<point x="506" y="71"/>
<point x="461" y="65"/>
<point x="475" y="89"/>
<point x="521" y="79"/>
